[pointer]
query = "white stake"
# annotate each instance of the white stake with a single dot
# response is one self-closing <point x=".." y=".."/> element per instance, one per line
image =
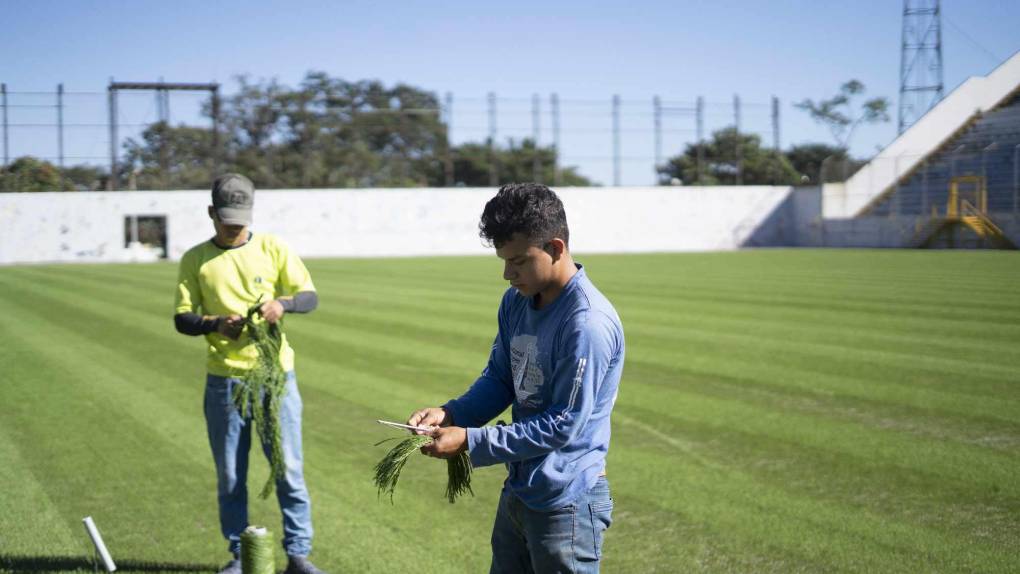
<point x="97" y="540"/>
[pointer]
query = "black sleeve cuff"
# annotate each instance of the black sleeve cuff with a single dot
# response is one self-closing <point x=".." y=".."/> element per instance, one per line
<point x="301" y="302"/>
<point x="193" y="324"/>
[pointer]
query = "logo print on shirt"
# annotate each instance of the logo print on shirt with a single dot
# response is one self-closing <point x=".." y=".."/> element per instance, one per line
<point x="527" y="372"/>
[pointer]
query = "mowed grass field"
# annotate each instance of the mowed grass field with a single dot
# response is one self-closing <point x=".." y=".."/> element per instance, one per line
<point x="780" y="411"/>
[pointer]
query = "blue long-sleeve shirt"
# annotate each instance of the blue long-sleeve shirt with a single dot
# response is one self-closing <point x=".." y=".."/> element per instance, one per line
<point x="560" y="368"/>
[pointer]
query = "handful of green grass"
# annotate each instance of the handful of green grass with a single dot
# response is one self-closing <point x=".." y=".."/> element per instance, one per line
<point x="387" y="471"/>
<point x="262" y="393"/>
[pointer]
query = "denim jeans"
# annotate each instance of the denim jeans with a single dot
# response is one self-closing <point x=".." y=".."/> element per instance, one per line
<point x="230" y="438"/>
<point x="567" y="539"/>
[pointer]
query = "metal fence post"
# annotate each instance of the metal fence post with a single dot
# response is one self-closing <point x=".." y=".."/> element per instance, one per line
<point x="448" y="160"/>
<point x="821" y="169"/>
<point x="616" y="140"/>
<point x="60" y="133"/>
<point x="775" y="124"/>
<point x="984" y="169"/>
<point x="111" y="184"/>
<point x="217" y="153"/>
<point x="776" y="154"/>
<point x="924" y="188"/>
<point x="657" y="127"/>
<point x="554" y="106"/>
<point x="1016" y="177"/>
<point x="3" y="102"/>
<point x="700" y="111"/>
<point x="894" y="209"/>
<point x="739" y="152"/>
<point x="536" y="160"/>
<point x="493" y="162"/>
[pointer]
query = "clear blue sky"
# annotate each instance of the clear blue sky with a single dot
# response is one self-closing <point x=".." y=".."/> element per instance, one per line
<point x="585" y="51"/>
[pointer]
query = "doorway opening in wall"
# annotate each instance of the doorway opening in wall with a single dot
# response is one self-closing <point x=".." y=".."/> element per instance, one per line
<point x="146" y="233"/>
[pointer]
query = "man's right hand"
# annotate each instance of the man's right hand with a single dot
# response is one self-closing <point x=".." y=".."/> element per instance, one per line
<point x="230" y="325"/>
<point x="430" y="417"/>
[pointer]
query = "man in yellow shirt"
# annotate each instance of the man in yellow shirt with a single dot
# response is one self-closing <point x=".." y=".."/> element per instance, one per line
<point x="218" y="281"/>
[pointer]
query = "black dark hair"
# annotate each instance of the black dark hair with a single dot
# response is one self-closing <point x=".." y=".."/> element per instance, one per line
<point x="530" y="209"/>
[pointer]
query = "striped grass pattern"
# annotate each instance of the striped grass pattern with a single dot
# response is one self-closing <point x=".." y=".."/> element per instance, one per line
<point x="780" y="411"/>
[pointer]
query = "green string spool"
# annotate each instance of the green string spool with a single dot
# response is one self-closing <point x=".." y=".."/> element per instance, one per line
<point x="257" y="551"/>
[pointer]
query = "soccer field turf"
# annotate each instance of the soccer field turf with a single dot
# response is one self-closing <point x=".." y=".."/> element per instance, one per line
<point x="780" y="411"/>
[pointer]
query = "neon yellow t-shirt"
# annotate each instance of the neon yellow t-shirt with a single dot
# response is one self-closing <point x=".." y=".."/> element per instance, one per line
<point x="216" y="281"/>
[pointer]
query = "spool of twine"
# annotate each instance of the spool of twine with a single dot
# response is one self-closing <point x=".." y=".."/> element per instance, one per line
<point x="256" y="551"/>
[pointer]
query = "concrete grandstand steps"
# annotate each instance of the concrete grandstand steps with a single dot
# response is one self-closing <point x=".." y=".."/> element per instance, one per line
<point x="980" y="111"/>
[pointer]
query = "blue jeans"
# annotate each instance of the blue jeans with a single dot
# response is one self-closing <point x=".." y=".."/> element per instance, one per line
<point x="568" y="539"/>
<point x="230" y="439"/>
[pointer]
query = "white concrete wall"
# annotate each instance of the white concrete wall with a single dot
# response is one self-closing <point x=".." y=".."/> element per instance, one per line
<point x="835" y="203"/>
<point x="977" y="94"/>
<point x="89" y="227"/>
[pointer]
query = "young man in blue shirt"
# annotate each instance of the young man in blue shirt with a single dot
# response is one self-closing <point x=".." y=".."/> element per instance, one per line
<point x="557" y="361"/>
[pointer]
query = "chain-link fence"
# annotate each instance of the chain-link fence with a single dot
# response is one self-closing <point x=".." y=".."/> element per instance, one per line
<point x="609" y="140"/>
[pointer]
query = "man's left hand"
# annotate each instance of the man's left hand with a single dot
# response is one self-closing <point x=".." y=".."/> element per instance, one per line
<point x="271" y="311"/>
<point x="447" y="442"/>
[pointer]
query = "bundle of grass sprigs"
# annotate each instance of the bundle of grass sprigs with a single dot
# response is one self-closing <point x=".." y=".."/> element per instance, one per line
<point x="262" y="393"/>
<point x="387" y="471"/>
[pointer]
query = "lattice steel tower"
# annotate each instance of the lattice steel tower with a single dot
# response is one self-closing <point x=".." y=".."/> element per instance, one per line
<point x="920" y="60"/>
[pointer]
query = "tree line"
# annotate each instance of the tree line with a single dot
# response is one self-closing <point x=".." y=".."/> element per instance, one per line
<point x="333" y="133"/>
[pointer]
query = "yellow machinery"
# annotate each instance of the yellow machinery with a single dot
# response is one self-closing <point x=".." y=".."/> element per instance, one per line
<point x="967" y="208"/>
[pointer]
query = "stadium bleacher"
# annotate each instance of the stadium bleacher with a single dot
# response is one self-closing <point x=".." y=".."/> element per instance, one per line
<point x="987" y="147"/>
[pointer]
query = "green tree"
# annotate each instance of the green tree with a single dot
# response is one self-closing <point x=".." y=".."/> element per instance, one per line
<point x="85" y="178"/>
<point x="27" y="173"/>
<point x="333" y="133"/>
<point x="758" y="166"/>
<point x="31" y="174"/>
<point x="515" y="162"/>
<point x="811" y="159"/>
<point x="327" y="132"/>
<point x="840" y="114"/>
<point x="251" y="119"/>
<point x="170" y="158"/>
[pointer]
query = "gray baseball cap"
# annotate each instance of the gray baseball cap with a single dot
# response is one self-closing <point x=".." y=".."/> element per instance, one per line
<point x="233" y="197"/>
